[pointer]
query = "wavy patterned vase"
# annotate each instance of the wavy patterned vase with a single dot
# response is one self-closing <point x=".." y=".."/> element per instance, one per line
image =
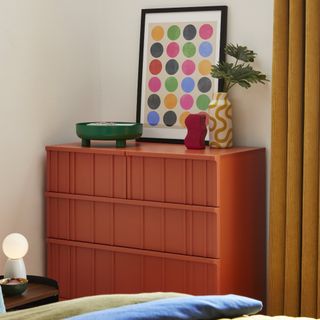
<point x="220" y="121"/>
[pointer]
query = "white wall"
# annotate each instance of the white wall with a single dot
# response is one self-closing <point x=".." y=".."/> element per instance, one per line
<point x="65" y="61"/>
<point x="49" y="80"/>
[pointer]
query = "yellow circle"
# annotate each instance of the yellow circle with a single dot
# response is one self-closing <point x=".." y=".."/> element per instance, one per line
<point x="204" y="67"/>
<point x="170" y="101"/>
<point x="182" y="118"/>
<point x="157" y="33"/>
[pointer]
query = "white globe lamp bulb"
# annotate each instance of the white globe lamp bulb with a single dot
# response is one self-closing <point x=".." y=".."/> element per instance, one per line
<point x="15" y="247"/>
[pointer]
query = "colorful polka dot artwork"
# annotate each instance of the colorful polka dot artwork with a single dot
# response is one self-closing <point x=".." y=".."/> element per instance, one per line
<point x="178" y="63"/>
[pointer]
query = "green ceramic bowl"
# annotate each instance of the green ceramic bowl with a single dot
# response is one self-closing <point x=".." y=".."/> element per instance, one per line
<point x="119" y="131"/>
<point x="13" y="286"/>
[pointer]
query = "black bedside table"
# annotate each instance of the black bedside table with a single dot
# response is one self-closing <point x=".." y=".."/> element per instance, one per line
<point x="40" y="291"/>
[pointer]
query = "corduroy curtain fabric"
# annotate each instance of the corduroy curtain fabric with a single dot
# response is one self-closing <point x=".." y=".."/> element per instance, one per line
<point x="294" y="232"/>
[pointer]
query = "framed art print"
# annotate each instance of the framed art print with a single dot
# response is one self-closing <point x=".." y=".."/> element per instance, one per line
<point x="178" y="46"/>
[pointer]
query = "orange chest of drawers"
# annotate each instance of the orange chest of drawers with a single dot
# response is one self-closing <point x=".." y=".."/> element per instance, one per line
<point x="156" y="217"/>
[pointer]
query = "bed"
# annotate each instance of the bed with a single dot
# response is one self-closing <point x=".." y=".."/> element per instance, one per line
<point x="145" y="306"/>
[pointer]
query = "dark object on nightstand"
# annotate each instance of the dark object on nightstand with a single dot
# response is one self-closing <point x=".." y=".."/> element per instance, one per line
<point x="40" y="291"/>
<point x="13" y="286"/>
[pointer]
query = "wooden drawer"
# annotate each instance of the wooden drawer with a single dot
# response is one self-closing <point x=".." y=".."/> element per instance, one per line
<point x="86" y="173"/>
<point x="172" y="180"/>
<point x="187" y="230"/>
<point x="185" y="181"/>
<point x="83" y="269"/>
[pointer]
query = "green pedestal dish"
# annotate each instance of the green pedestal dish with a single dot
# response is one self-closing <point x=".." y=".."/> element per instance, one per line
<point x="119" y="131"/>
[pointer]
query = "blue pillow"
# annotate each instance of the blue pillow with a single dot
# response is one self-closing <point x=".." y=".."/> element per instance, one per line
<point x="2" y="306"/>
<point x="184" y="308"/>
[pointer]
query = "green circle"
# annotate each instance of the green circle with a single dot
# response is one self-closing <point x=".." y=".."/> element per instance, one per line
<point x="203" y="102"/>
<point x="174" y="32"/>
<point x="189" y="49"/>
<point x="171" y="84"/>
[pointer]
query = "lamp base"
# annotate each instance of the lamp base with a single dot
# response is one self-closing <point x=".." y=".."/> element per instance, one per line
<point x="15" y="268"/>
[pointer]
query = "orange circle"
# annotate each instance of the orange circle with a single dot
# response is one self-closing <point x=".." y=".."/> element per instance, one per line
<point x="182" y="118"/>
<point x="157" y="33"/>
<point x="170" y="101"/>
<point x="204" y="67"/>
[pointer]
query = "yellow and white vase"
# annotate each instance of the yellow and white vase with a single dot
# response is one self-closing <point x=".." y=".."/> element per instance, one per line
<point x="220" y="121"/>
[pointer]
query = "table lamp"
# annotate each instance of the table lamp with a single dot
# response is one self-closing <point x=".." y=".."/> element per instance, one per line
<point x="15" y="247"/>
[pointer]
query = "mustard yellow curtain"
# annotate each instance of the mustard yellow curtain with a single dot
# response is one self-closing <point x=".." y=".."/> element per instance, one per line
<point x="294" y="234"/>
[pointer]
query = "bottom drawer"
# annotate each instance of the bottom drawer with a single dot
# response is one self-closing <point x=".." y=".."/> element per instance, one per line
<point x="83" y="269"/>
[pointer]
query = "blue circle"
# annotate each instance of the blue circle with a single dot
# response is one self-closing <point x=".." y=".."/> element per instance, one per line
<point x="205" y="49"/>
<point x="153" y="118"/>
<point x="187" y="84"/>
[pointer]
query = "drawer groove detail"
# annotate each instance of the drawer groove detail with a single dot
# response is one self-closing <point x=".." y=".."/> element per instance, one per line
<point x="150" y="253"/>
<point x="132" y="202"/>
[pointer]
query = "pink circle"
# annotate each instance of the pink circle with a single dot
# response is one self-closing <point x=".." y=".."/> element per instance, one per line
<point x="173" y="49"/>
<point x="206" y="31"/>
<point x="186" y="101"/>
<point x="154" y="84"/>
<point x="188" y="67"/>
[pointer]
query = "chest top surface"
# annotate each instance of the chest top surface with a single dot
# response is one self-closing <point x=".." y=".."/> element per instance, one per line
<point x="150" y="149"/>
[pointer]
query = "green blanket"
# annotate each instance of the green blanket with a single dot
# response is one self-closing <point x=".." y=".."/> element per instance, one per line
<point x="64" y="309"/>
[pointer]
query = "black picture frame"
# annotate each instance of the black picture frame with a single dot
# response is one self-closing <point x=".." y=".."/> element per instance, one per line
<point x="193" y="18"/>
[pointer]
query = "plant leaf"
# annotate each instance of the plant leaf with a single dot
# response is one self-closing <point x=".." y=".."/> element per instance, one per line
<point x="240" y="52"/>
<point x="234" y="73"/>
<point x="245" y="75"/>
<point x="222" y="70"/>
<point x="242" y="74"/>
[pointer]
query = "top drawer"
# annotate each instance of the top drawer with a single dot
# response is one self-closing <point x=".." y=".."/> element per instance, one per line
<point x="185" y="181"/>
<point x="160" y="172"/>
<point x="172" y="180"/>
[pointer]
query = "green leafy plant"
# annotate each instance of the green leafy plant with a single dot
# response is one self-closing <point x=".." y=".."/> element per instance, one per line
<point x="238" y="73"/>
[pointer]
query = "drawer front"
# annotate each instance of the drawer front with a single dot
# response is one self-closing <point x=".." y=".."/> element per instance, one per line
<point x="184" y="231"/>
<point x="82" y="271"/>
<point x="172" y="180"/>
<point x="86" y="174"/>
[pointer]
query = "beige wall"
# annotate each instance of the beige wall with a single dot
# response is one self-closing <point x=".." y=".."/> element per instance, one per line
<point x="49" y="80"/>
<point x="65" y="61"/>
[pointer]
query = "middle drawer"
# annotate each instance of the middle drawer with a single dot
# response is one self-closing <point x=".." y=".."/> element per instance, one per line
<point x="188" y="230"/>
